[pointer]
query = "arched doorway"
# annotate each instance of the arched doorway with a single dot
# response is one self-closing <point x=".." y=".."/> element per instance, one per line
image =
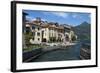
<point x="67" y="37"/>
<point x="44" y="40"/>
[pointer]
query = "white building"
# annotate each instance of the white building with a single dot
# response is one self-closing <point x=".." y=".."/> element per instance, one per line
<point x="48" y="32"/>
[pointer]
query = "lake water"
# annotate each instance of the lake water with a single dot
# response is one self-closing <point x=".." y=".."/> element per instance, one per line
<point x="70" y="53"/>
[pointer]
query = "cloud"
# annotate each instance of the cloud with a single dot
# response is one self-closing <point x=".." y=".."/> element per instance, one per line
<point x="81" y="16"/>
<point x="60" y="14"/>
<point x="74" y="15"/>
<point x="77" y="16"/>
<point x="29" y="18"/>
<point x="44" y="20"/>
<point x="32" y="19"/>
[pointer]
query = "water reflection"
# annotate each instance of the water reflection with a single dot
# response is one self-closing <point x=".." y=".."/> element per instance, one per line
<point x="70" y="53"/>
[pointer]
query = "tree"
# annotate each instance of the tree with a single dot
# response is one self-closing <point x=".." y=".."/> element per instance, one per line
<point x="28" y="36"/>
<point x="72" y="36"/>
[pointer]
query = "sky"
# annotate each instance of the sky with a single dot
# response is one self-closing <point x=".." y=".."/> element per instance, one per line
<point x="70" y="18"/>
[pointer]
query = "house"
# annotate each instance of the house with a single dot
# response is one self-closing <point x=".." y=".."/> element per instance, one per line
<point x="43" y="31"/>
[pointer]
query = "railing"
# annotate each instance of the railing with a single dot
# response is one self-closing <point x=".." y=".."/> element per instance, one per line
<point x="85" y="51"/>
<point x="28" y="55"/>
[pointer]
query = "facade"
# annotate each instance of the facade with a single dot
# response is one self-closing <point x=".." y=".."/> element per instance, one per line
<point x="44" y="31"/>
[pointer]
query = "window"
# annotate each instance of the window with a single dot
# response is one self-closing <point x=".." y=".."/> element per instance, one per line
<point x="38" y="34"/>
<point x="33" y="27"/>
<point x="27" y="30"/>
<point x="38" y="39"/>
<point x="38" y="28"/>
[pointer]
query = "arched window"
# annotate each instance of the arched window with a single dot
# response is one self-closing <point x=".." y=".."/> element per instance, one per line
<point x="33" y="27"/>
<point x="38" y="34"/>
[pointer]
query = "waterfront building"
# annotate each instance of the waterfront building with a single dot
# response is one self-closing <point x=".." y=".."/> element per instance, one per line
<point x="43" y="31"/>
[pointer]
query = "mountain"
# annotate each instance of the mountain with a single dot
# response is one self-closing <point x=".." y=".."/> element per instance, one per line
<point x="83" y="31"/>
